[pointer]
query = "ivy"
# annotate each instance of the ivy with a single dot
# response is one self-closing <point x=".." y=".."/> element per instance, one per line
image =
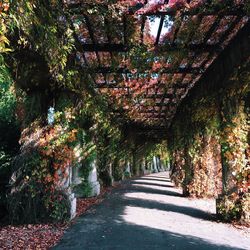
<point x="215" y="125"/>
<point x="48" y="73"/>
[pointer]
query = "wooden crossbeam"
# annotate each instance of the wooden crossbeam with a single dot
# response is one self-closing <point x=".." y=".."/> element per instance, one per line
<point x="79" y="8"/>
<point x="106" y="47"/>
<point x="124" y="20"/>
<point x="151" y="112"/>
<point x="230" y="29"/>
<point x="221" y="13"/>
<point x="108" y="70"/>
<point x="111" y="47"/>
<point x="159" y="30"/>
<point x="116" y="85"/>
<point x="212" y="29"/>
<point x="161" y="104"/>
<point x="162" y="114"/>
<point x="150" y="96"/>
<point x="142" y="29"/>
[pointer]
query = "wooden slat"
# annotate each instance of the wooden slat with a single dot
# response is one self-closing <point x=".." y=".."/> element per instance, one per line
<point x="106" y="70"/>
<point x="159" y="30"/>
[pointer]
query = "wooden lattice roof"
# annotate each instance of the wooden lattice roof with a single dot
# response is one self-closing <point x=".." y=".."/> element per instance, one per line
<point x="145" y="57"/>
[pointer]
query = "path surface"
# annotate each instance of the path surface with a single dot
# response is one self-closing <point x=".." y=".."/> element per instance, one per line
<point x="149" y="213"/>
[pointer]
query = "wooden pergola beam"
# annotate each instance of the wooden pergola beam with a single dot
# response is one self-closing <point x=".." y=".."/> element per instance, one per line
<point x="166" y="109"/>
<point x="159" y="30"/>
<point x="81" y="8"/>
<point x="106" y="47"/>
<point x="221" y="13"/>
<point x="111" y="47"/>
<point x="179" y="70"/>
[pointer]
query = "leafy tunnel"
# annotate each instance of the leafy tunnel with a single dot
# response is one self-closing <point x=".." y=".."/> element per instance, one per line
<point x="123" y="86"/>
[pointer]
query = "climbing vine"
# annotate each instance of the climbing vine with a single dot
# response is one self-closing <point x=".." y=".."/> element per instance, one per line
<point x="210" y="149"/>
<point x="39" y="43"/>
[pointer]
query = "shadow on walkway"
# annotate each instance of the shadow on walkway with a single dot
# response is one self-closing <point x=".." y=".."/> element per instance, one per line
<point x="157" y="177"/>
<point x="123" y="236"/>
<point x="167" y="180"/>
<point x="152" y="184"/>
<point x="151" y="190"/>
<point x="133" y="218"/>
<point x="193" y="212"/>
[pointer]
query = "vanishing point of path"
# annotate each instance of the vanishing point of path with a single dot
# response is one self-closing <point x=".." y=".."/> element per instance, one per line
<point x="149" y="213"/>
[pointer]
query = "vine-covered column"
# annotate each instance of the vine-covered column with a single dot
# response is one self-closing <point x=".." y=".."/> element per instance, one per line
<point x="235" y="201"/>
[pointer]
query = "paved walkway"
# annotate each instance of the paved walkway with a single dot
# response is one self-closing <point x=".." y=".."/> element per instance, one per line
<point x="147" y="214"/>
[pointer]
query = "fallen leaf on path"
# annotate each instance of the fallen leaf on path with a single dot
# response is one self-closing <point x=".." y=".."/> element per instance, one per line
<point x="42" y="236"/>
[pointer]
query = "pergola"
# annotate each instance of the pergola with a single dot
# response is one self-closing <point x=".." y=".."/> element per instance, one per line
<point x="145" y="56"/>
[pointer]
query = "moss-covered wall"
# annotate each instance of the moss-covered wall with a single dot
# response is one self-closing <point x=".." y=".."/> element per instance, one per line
<point x="209" y="143"/>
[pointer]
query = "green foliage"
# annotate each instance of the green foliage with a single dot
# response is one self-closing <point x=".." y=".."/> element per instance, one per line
<point x="4" y="19"/>
<point x="247" y="7"/>
<point x="43" y="59"/>
<point x="35" y="204"/>
<point x="229" y="209"/>
<point x="84" y="188"/>
<point x="9" y="132"/>
<point x="117" y="170"/>
<point x="214" y="124"/>
<point x="32" y="199"/>
<point x="7" y="96"/>
<point x="5" y="172"/>
<point x="41" y="30"/>
<point x="59" y="208"/>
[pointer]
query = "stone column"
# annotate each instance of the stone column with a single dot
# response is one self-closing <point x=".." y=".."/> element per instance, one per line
<point x="168" y="167"/>
<point x="111" y="174"/>
<point x="163" y="166"/>
<point x="128" y="170"/>
<point x="66" y="185"/>
<point x="76" y="179"/>
<point x="72" y="200"/>
<point x="93" y="181"/>
<point x="158" y="164"/>
<point x="150" y="167"/>
<point x="155" y="170"/>
<point x="71" y="195"/>
<point x="135" y="165"/>
<point x="145" y="167"/>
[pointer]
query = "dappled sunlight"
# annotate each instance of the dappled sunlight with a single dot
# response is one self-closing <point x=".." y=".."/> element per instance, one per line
<point x="160" y="183"/>
<point x="165" y="178"/>
<point x="170" y="189"/>
<point x="126" y="122"/>
<point x="138" y="217"/>
<point x="170" y="221"/>
<point x="202" y="204"/>
<point x="162" y="179"/>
